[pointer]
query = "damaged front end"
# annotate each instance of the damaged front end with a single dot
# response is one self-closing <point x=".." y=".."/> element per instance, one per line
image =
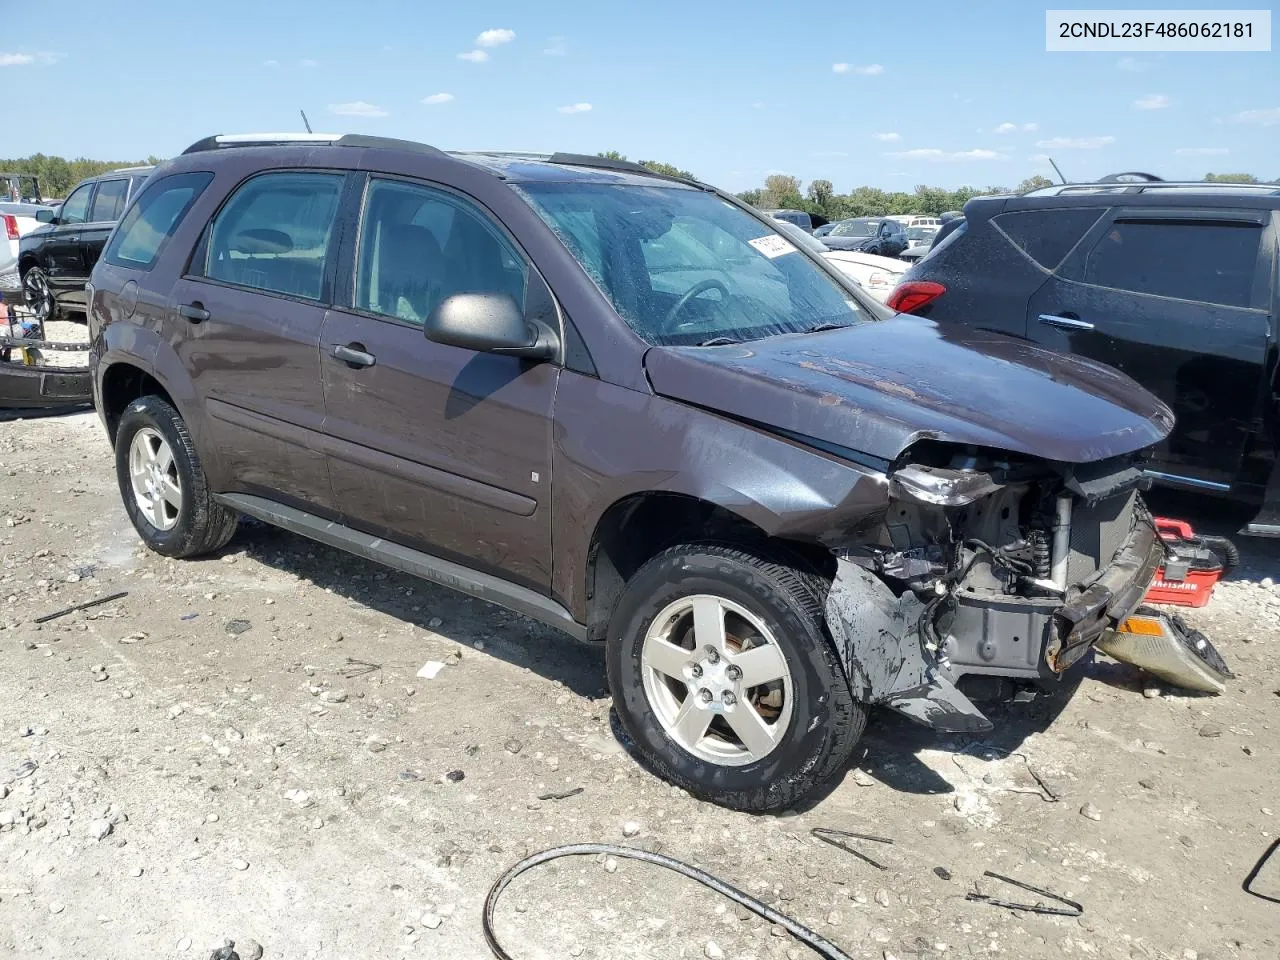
<point x="988" y="564"/>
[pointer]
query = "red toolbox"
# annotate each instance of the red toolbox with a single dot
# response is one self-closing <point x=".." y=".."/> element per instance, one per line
<point x="1193" y="565"/>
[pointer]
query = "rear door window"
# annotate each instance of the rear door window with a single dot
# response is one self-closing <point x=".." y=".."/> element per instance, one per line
<point x="274" y="234"/>
<point x="108" y="202"/>
<point x="150" y="222"/>
<point x="76" y="207"/>
<point x="1204" y="261"/>
<point x="1047" y="236"/>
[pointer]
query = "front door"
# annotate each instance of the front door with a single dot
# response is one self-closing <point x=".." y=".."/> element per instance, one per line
<point x="1178" y="300"/>
<point x="246" y="322"/>
<point x="64" y="263"/>
<point x="437" y="447"/>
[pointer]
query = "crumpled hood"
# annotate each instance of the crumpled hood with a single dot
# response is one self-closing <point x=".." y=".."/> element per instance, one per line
<point x="879" y="387"/>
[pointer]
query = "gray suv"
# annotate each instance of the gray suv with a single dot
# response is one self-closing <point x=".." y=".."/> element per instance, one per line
<point x="623" y="404"/>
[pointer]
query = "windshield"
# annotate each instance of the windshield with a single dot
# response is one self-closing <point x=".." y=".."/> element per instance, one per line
<point x="684" y="266"/>
<point x="921" y="233"/>
<point x="855" y="228"/>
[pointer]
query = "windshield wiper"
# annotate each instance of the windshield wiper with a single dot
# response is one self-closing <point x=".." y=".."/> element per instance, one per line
<point x="717" y="342"/>
<point x="823" y="327"/>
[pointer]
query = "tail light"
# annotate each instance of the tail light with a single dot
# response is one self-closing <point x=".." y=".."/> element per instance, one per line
<point x="10" y="225"/>
<point x="913" y="294"/>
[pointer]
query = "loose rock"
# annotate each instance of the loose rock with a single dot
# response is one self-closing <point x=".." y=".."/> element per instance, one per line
<point x="1090" y="812"/>
<point x="1211" y="730"/>
<point x="631" y="828"/>
<point x="713" y="951"/>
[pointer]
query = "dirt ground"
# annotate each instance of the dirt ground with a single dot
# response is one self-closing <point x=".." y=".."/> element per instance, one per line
<point x="242" y="749"/>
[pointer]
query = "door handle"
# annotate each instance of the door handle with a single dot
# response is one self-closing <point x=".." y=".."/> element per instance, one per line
<point x="353" y="355"/>
<point x="193" y="312"/>
<point x="1066" y="322"/>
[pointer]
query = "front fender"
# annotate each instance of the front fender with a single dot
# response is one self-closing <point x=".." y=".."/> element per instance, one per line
<point x="612" y="442"/>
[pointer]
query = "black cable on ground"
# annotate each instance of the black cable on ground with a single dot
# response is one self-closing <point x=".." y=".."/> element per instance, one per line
<point x="802" y="933"/>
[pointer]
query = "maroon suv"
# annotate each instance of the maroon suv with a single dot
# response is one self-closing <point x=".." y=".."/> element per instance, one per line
<point x="622" y="404"/>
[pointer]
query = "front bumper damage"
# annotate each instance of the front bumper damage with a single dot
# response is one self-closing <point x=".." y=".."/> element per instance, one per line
<point x="885" y="645"/>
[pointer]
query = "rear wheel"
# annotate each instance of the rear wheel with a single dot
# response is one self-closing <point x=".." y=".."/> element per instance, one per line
<point x="163" y="485"/>
<point x="723" y="676"/>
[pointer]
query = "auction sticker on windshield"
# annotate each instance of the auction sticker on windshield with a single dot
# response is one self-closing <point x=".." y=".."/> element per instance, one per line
<point x="772" y="246"/>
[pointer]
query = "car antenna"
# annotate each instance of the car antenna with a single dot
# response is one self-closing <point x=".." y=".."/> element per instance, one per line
<point x="1055" y="166"/>
<point x="307" y="123"/>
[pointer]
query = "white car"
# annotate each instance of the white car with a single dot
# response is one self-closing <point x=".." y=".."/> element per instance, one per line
<point x="16" y="219"/>
<point x="877" y="275"/>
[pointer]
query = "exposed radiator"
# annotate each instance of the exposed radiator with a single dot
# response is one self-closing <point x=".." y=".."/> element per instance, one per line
<point x="1097" y="534"/>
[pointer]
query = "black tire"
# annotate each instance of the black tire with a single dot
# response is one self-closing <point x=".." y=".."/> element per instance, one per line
<point x="826" y="722"/>
<point x="203" y="525"/>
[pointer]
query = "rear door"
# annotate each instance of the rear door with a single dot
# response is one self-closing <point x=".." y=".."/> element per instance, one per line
<point x="248" y="315"/>
<point x="64" y="261"/>
<point x="1179" y="299"/>
<point x="438" y="447"/>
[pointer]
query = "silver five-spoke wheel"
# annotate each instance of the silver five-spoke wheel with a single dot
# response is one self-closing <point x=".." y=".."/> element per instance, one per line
<point x="157" y="487"/>
<point x="717" y="680"/>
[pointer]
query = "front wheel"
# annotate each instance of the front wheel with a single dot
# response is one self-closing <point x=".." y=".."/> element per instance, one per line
<point x="723" y="676"/>
<point x="163" y="485"/>
<point x="38" y="296"/>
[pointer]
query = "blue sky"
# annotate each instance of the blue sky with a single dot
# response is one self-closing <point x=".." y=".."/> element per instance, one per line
<point x="891" y="95"/>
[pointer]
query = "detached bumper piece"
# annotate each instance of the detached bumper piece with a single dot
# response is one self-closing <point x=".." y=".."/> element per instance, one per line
<point x="27" y="383"/>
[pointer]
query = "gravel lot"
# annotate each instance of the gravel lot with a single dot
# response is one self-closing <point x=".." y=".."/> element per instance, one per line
<point x="243" y="749"/>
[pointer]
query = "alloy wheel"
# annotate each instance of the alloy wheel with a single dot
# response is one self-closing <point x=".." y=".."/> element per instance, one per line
<point x="153" y="475"/>
<point x="717" y="680"/>
<point x="35" y="290"/>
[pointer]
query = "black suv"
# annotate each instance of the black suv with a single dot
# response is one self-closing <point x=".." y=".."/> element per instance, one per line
<point x="54" y="260"/>
<point x="1173" y="283"/>
<point x="627" y="405"/>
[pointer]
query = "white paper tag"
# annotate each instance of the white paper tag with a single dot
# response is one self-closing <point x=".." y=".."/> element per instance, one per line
<point x="772" y="245"/>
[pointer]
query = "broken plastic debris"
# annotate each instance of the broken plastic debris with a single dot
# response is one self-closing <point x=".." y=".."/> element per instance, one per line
<point x="430" y="669"/>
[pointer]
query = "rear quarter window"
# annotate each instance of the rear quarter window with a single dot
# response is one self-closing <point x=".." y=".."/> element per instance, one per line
<point x="1047" y="236"/>
<point x="152" y="220"/>
<point x="1203" y="261"/>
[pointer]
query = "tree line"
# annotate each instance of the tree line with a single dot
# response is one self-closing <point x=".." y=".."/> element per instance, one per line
<point x="58" y="175"/>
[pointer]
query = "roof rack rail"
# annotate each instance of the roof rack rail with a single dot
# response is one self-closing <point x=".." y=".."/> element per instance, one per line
<point x="604" y="163"/>
<point x="1154" y="186"/>
<point x="224" y="140"/>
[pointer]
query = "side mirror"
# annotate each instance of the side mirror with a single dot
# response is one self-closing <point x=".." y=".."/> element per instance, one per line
<point x="490" y="323"/>
<point x="46" y="216"/>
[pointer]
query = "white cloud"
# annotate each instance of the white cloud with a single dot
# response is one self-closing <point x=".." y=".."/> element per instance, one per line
<point x="1202" y="151"/>
<point x="889" y="137"/>
<point x="1266" y="117"/>
<point x="437" y="98"/>
<point x="556" y="47"/>
<point x="1152" y="101"/>
<point x="1074" y="143"/>
<point x="357" y="108"/>
<point x="474" y="56"/>
<point x="575" y="108"/>
<point x="495" y="38"/>
<point x="16" y="59"/>
<point x="867" y="70"/>
<point x="308" y="63"/>
<point x="1031" y="127"/>
<point x="1131" y="65"/>
<point x="271" y="63"/>
<point x="933" y="153"/>
<point x="1006" y="127"/>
